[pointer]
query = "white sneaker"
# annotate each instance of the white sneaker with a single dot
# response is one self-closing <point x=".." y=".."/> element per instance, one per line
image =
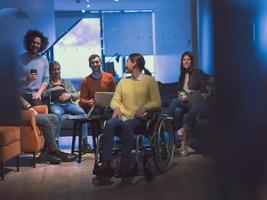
<point x="180" y="132"/>
<point x="184" y="150"/>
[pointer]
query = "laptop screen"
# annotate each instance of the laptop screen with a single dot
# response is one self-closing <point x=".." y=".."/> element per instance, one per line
<point x="103" y="98"/>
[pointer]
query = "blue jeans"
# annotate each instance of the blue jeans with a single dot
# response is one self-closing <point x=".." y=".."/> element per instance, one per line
<point x="176" y="110"/>
<point x="68" y="108"/>
<point x="126" y="134"/>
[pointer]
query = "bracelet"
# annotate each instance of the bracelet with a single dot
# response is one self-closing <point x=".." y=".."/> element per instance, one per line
<point x="29" y="106"/>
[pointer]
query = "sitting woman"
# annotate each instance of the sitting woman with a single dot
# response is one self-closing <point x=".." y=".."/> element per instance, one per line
<point x="198" y="122"/>
<point x="134" y="96"/>
<point x="62" y="94"/>
<point x="191" y="89"/>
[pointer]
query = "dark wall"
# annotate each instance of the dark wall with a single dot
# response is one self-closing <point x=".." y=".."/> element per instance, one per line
<point x="241" y="100"/>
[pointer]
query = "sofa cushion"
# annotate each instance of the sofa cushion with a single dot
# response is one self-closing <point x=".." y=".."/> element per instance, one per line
<point x="9" y="134"/>
<point x="168" y="91"/>
<point x="9" y="151"/>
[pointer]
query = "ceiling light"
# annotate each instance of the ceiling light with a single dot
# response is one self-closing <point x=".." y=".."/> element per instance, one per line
<point x="88" y="6"/>
<point x="83" y="11"/>
<point x="116" y="0"/>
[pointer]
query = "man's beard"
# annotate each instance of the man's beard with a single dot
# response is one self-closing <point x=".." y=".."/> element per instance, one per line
<point x="34" y="50"/>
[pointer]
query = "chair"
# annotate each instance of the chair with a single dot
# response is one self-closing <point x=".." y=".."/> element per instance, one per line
<point x="32" y="139"/>
<point x="155" y="139"/>
<point x="9" y="145"/>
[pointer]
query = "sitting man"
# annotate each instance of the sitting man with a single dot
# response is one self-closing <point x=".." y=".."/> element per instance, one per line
<point x="97" y="81"/>
<point x="134" y="96"/>
<point x="48" y="123"/>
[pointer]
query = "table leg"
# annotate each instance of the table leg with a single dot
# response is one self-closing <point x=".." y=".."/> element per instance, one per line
<point x="73" y="137"/>
<point x="94" y="135"/>
<point x="80" y="142"/>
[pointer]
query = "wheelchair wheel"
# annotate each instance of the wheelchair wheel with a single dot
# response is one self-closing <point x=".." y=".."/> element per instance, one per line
<point x="163" y="144"/>
<point x="99" y="149"/>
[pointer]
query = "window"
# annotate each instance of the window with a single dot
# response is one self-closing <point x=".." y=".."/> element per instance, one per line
<point x="72" y="51"/>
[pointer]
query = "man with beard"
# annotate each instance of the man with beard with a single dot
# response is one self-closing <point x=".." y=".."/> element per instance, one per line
<point x="34" y="67"/>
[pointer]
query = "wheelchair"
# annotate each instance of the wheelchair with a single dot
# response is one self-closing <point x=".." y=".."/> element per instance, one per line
<point x="153" y="140"/>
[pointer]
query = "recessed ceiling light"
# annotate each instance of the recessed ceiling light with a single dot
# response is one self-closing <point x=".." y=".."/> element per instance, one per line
<point x="116" y="0"/>
<point x="83" y="11"/>
<point x="88" y="6"/>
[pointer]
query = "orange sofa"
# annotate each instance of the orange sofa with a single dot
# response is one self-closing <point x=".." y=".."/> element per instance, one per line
<point x="32" y="139"/>
<point x="9" y="145"/>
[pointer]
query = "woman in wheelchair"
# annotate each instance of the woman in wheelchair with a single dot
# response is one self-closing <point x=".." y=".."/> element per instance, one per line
<point x="135" y="96"/>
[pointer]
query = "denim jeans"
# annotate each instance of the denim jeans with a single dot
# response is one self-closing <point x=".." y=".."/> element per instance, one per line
<point x="68" y="108"/>
<point x="126" y="134"/>
<point x="176" y="110"/>
<point x="49" y="124"/>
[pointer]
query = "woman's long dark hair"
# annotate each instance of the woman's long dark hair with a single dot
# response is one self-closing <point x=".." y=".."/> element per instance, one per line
<point x="183" y="71"/>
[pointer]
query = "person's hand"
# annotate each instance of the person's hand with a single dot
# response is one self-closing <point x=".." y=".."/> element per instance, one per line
<point x="64" y="96"/>
<point x="34" y="111"/>
<point x="117" y="113"/>
<point x="31" y="77"/>
<point x="182" y="97"/>
<point x="57" y="88"/>
<point x="190" y="91"/>
<point x="204" y="95"/>
<point x="140" y="112"/>
<point x="36" y="95"/>
<point x="91" y="102"/>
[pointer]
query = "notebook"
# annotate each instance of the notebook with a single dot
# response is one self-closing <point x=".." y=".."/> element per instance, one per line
<point x="103" y="98"/>
<point x="85" y="116"/>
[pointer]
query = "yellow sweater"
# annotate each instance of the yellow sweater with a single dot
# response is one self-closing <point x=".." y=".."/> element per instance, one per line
<point x="130" y="95"/>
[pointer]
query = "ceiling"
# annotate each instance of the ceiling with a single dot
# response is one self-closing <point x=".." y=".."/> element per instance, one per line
<point x="77" y="5"/>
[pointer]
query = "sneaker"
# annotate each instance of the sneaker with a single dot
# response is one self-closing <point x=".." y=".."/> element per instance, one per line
<point x="180" y="132"/>
<point x="184" y="150"/>
<point x="48" y="157"/>
<point x="169" y="118"/>
<point x="125" y="170"/>
<point x="65" y="157"/>
<point x="104" y="170"/>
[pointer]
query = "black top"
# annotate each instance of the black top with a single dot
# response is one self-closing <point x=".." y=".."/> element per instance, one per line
<point x="197" y="81"/>
<point x="57" y="93"/>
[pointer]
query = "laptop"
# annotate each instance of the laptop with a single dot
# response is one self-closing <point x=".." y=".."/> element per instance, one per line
<point x="84" y="116"/>
<point x="104" y="98"/>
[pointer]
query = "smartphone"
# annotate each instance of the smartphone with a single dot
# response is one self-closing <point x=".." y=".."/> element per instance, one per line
<point x="33" y="71"/>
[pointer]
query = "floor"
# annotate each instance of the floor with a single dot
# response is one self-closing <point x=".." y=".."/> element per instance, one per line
<point x="189" y="178"/>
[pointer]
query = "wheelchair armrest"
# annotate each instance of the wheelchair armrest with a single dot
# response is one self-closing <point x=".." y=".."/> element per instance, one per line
<point x="151" y="118"/>
<point x="151" y="115"/>
<point x="107" y="113"/>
